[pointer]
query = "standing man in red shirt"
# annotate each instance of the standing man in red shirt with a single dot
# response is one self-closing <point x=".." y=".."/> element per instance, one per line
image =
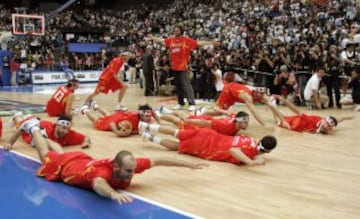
<point x="210" y="145"/>
<point x="180" y="47"/>
<point x="61" y="102"/>
<point x="110" y="80"/>
<point x="105" y="176"/>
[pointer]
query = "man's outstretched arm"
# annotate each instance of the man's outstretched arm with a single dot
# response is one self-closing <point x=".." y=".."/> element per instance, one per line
<point x="177" y="163"/>
<point x="12" y="139"/>
<point x="102" y="188"/>
<point x="156" y="39"/>
<point x="250" y="105"/>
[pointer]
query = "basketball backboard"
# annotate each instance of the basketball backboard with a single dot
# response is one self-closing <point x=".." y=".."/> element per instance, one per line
<point x="27" y="24"/>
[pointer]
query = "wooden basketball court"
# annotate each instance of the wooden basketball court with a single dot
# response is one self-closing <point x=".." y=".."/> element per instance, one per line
<point x="306" y="176"/>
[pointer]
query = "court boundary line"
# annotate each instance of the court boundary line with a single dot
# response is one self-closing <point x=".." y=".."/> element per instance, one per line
<point x="187" y="214"/>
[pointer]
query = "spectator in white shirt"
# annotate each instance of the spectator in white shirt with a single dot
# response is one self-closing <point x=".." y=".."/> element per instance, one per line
<point x="312" y="94"/>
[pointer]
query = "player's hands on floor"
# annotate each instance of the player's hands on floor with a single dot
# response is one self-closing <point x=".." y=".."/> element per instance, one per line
<point x="8" y="147"/>
<point x="259" y="161"/>
<point x="121" y="197"/>
<point x="285" y="125"/>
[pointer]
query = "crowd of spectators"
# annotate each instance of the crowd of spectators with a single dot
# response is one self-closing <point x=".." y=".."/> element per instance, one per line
<point x="264" y="43"/>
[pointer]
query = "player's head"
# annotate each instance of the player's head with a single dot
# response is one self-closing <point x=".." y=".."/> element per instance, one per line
<point x="125" y="56"/>
<point x="63" y="126"/>
<point x="124" y="166"/>
<point x="267" y="144"/>
<point x="73" y="83"/>
<point x="124" y="128"/>
<point x="258" y="92"/>
<point x="242" y="120"/>
<point x="145" y="112"/>
<point x="178" y="30"/>
<point x="327" y="124"/>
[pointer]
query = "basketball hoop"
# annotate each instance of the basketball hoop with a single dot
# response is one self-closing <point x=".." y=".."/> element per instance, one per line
<point x="25" y="24"/>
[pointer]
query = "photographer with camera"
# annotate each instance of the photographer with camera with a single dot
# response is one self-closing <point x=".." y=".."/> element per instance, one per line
<point x="350" y="61"/>
<point x="263" y="63"/>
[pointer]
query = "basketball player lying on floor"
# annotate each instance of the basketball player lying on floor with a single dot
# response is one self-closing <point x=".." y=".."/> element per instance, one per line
<point x="105" y="176"/>
<point x="228" y="125"/>
<point x="210" y="145"/>
<point x="306" y="123"/>
<point x="234" y="92"/>
<point x="122" y="123"/>
<point x="59" y="134"/>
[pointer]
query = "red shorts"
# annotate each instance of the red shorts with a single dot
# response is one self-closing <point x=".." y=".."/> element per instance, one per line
<point x="106" y="85"/>
<point x="50" y="168"/>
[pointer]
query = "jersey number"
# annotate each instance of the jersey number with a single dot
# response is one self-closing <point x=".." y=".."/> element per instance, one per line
<point x="58" y="96"/>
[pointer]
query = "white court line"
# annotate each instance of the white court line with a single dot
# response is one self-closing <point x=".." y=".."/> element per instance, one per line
<point x="187" y="214"/>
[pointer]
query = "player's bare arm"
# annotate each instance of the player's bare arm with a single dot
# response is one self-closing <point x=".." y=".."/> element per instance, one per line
<point x="177" y="163"/>
<point x="240" y="156"/>
<point x="12" y="139"/>
<point x="86" y="143"/>
<point x="69" y="104"/>
<point x="198" y="122"/>
<point x="102" y="188"/>
<point x="221" y="111"/>
<point x="118" y="78"/>
<point x="341" y="119"/>
<point x="114" y="128"/>
<point x="249" y="103"/>
<point x="204" y="43"/>
<point x="156" y="39"/>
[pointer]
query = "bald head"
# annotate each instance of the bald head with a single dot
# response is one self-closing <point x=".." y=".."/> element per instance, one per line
<point x="124" y="157"/>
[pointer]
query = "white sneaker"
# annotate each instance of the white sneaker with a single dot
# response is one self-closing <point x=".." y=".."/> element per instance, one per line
<point x="84" y="109"/>
<point x="201" y="110"/>
<point x="192" y="108"/>
<point x="165" y="110"/>
<point x="143" y="126"/>
<point x="177" y="107"/>
<point x="120" y="108"/>
<point x="93" y="105"/>
<point x="29" y="126"/>
<point x="357" y="108"/>
<point x="272" y="100"/>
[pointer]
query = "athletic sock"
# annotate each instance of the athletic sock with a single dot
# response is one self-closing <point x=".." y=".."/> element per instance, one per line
<point x="154" y="127"/>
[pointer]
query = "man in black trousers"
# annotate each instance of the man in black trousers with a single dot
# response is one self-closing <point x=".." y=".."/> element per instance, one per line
<point x="148" y="70"/>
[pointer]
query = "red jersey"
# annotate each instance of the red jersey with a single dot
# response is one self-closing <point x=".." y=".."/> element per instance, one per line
<point x="231" y="94"/>
<point x="103" y="123"/>
<point x="180" y="49"/>
<point x="57" y="104"/>
<point x="71" y="138"/>
<point x="107" y="82"/>
<point x="210" y="145"/>
<point x="79" y="169"/>
<point x="225" y="126"/>
<point x="304" y="123"/>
